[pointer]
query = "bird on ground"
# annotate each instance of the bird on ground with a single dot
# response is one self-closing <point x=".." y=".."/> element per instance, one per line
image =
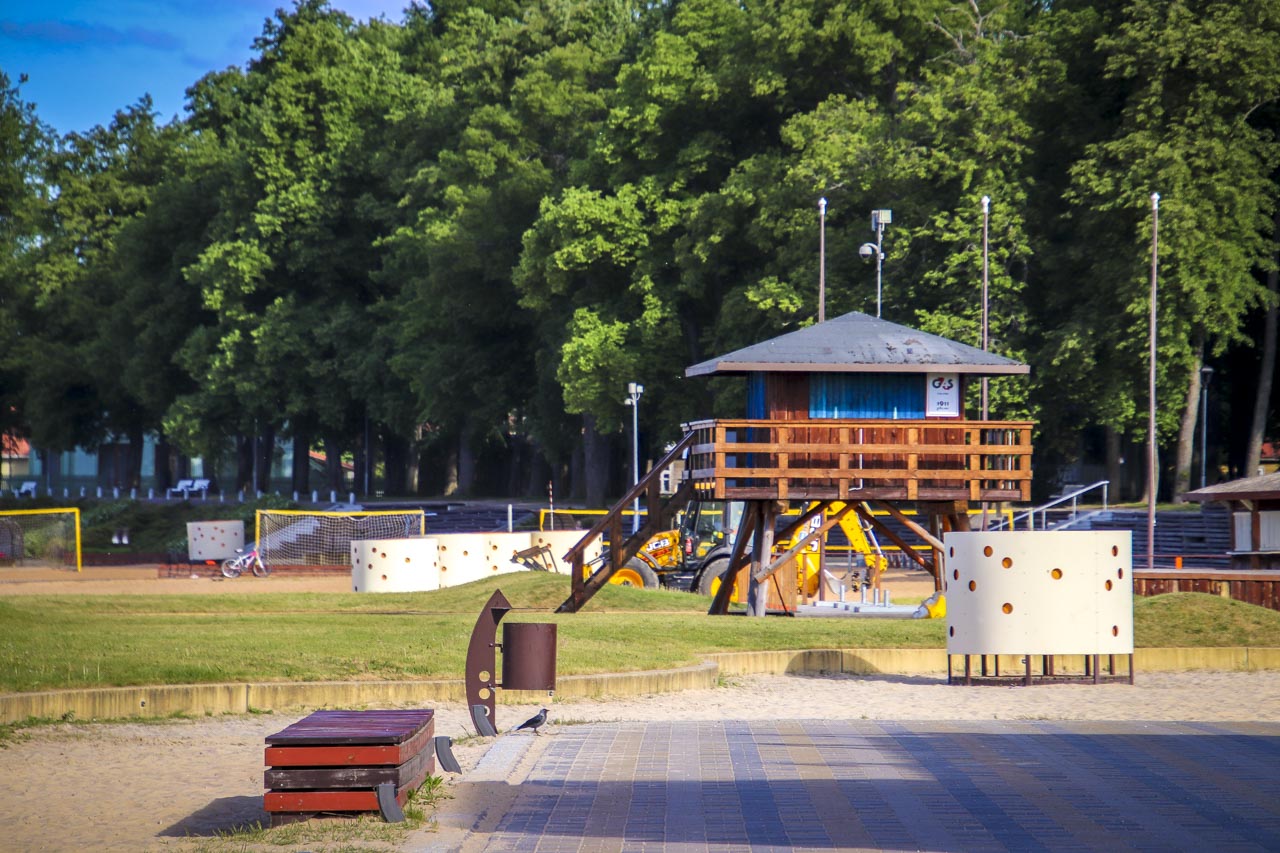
<point x="535" y="722"/>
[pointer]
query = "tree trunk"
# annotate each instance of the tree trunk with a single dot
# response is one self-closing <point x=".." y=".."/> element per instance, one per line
<point x="466" y="461"/>
<point x="395" y="459"/>
<point x="577" y="472"/>
<point x="133" y="461"/>
<point x="301" y="475"/>
<point x="595" y="458"/>
<point x="1187" y="430"/>
<point x="540" y="472"/>
<point x="358" y="458"/>
<point x="451" y="472"/>
<point x="244" y="462"/>
<point x="1266" y="372"/>
<point x="1114" y="468"/>
<point x="163" y="476"/>
<point x="517" y="449"/>
<point x="266" y="455"/>
<point x="333" y="464"/>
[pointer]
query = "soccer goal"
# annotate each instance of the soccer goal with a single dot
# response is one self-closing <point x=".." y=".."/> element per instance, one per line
<point x="323" y="539"/>
<point x="40" y="537"/>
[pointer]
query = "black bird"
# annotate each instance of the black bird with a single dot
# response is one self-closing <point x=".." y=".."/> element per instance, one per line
<point x="535" y="722"/>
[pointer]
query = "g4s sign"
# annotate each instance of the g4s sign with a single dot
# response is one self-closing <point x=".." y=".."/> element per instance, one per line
<point x="942" y="395"/>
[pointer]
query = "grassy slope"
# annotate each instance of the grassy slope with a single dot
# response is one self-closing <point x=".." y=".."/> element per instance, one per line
<point x="78" y="641"/>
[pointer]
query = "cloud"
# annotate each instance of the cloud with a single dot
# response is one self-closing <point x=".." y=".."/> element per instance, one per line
<point x="77" y="34"/>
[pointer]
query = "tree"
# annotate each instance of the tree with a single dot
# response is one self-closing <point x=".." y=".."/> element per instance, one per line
<point x="24" y="146"/>
<point x="96" y="351"/>
<point x="523" y="101"/>
<point x="1187" y="132"/>
<point x="289" y="270"/>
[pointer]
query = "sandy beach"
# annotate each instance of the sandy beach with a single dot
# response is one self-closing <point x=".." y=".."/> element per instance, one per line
<point x="181" y="785"/>
<point x="178" y="785"/>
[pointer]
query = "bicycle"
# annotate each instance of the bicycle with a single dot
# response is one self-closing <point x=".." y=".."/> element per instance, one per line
<point x="248" y="559"/>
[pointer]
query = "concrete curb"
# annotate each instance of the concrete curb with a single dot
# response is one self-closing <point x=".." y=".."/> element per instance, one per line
<point x="109" y="703"/>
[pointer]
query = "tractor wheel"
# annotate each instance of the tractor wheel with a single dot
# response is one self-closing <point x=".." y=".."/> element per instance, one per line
<point x="635" y="572"/>
<point x="708" y="581"/>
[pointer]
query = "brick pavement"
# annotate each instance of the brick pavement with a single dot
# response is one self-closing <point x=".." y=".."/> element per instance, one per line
<point x="963" y="786"/>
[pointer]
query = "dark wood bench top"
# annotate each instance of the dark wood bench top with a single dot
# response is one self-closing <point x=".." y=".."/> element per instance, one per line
<point x="340" y="728"/>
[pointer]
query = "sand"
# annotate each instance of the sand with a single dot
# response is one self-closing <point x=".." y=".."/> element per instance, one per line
<point x="177" y="785"/>
<point x="905" y="585"/>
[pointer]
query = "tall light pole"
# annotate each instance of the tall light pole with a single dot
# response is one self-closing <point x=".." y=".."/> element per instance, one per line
<point x="1152" y="479"/>
<point x="822" y="260"/>
<point x="986" y="219"/>
<point x="879" y="219"/>
<point x="1206" y="374"/>
<point x="634" y="391"/>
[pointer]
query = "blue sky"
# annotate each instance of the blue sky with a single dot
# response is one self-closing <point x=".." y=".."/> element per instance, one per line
<point x="88" y="58"/>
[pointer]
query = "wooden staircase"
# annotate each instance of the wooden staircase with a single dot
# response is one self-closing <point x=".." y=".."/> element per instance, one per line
<point x="660" y="513"/>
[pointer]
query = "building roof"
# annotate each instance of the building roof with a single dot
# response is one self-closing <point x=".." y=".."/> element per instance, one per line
<point x="859" y="343"/>
<point x="1262" y="487"/>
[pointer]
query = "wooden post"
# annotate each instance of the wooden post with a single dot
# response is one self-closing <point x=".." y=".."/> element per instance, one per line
<point x="758" y="592"/>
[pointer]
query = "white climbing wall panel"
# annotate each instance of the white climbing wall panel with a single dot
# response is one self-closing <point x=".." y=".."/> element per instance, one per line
<point x="394" y="565"/>
<point x="1039" y="592"/>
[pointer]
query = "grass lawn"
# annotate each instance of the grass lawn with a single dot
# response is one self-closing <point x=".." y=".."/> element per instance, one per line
<point x="59" y="642"/>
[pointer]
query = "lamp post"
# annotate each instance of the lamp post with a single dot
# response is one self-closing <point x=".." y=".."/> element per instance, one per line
<point x="1152" y="477"/>
<point x="879" y="219"/>
<point x="634" y="391"/>
<point x="986" y="218"/>
<point x="1206" y="374"/>
<point x="822" y="259"/>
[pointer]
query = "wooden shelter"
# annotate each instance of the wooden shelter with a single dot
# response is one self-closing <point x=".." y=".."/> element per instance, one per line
<point x="1255" y="515"/>
<point x="857" y="410"/>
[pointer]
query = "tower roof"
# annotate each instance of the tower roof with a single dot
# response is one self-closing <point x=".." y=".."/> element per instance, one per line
<point x="858" y="343"/>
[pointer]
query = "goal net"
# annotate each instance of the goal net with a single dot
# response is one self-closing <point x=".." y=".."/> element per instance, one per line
<point x="323" y="539"/>
<point x="48" y="538"/>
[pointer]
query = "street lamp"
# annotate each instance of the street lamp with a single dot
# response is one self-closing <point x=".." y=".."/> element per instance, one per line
<point x="986" y="219"/>
<point x="1152" y="475"/>
<point x="822" y="260"/>
<point x="634" y="391"/>
<point x="879" y="219"/>
<point x="1206" y="374"/>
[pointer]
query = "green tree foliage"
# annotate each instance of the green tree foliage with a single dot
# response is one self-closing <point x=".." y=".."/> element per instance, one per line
<point x="24" y="146"/>
<point x="1189" y="78"/>
<point x="464" y="233"/>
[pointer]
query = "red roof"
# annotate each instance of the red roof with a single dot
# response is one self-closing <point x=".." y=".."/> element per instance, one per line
<point x="15" y="447"/>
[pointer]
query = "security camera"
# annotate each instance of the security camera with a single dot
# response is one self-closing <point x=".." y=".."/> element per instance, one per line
<point x="867" y="251"/>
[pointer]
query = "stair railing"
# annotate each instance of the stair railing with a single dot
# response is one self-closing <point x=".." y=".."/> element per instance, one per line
<point x="1072" y="496"/>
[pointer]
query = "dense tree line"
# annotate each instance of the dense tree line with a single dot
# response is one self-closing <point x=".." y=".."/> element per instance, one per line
<point x="453" y="239"/>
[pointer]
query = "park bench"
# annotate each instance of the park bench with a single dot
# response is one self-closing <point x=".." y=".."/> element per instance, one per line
<point x="348" y="762"/>
<point x="184" y="487"/>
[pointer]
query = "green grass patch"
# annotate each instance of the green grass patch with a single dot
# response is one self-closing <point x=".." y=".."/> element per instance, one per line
<point x="58" y="642"/>
<point x="1191" y="619"/>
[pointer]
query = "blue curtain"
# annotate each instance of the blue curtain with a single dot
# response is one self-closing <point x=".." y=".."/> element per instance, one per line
<point x="866" y="395"/>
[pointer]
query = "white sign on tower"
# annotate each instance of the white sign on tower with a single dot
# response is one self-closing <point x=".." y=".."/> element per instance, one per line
<point x="942" y="396"/>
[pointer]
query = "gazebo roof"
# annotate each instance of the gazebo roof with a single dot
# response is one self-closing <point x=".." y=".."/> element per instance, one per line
<point x="858" y="343"/>
<point x="1262" y="487"/>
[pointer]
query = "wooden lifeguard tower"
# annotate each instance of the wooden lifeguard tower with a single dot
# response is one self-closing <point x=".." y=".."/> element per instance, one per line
<point x="857" y="412"/>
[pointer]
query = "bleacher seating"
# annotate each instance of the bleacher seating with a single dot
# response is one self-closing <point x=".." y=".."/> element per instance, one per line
<point x="186" y="487"/>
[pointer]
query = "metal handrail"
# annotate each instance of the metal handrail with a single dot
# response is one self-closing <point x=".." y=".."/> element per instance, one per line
<point x="1074" y="497"/>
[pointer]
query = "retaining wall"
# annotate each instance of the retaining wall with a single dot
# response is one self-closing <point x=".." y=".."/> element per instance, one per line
<point x="110" y="703"/>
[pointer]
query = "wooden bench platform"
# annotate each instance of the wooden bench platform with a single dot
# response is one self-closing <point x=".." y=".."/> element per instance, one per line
<point x="333" y="762"/>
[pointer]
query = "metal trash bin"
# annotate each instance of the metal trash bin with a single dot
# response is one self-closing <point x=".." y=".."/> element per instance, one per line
<point x="529" y="656"/>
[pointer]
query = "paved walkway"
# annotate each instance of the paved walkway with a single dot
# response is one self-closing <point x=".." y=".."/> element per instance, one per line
<point x="966" y="786"/>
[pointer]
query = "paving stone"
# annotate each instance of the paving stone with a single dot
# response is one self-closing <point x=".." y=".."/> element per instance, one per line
<point x="822" y="785"/>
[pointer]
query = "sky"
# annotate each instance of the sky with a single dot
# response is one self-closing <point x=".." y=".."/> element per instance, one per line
<point x="86" y="59"/>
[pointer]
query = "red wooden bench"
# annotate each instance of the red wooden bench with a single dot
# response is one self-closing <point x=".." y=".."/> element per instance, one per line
<point x="348" y="762"/>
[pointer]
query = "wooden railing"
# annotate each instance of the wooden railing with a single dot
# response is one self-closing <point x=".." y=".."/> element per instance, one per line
<point x="925" y="460"/>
